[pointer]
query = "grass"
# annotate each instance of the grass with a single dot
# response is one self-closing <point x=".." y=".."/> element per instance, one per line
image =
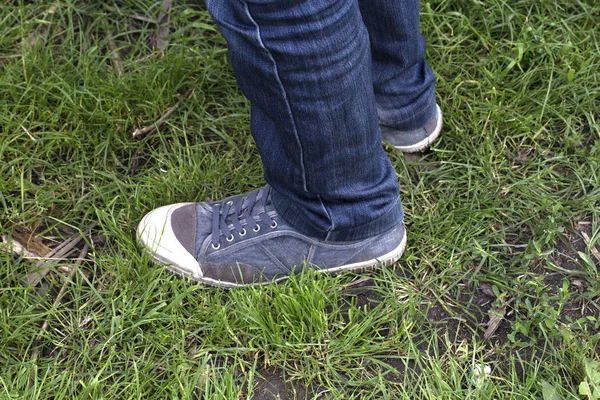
<point x="496" y="213"/>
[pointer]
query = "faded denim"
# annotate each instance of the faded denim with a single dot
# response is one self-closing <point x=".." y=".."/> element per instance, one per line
<point x="317" y="92"/>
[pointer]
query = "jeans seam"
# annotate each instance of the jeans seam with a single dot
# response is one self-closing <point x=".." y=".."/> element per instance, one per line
<point x="331" y="223"/>
<point x="284" y="216"/>
<point x="283" y="92"/>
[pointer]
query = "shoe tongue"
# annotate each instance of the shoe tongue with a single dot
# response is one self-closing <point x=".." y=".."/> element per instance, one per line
<point x="267" y="201"/>
<point x="269" y="205"/>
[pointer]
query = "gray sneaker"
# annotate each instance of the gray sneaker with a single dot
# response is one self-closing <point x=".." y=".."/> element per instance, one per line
<point x="242" y="241"/>
<point x="415" y="140"/>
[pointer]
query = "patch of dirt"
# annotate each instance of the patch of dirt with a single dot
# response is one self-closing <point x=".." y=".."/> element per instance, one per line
<point x="273" y="385"/>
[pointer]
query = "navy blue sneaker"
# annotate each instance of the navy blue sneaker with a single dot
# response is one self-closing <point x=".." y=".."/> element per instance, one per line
<point x="242" y="241"/>
<point x="415" y="140"/>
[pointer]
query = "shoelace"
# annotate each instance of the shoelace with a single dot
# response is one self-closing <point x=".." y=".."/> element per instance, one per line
<point x="245" y="209"/>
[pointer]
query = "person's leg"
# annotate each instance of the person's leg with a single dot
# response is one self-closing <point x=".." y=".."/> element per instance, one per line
<point x="305" y="66"/>
<point x="403" y="81"/>
<point x="333" y="199"/>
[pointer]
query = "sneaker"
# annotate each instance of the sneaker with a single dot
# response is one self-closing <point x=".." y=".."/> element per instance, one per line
<point x="242" y="241"/>
<point x="415" y="140"/>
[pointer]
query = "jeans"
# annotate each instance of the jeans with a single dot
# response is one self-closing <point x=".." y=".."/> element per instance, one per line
<point x="319" y="75"/>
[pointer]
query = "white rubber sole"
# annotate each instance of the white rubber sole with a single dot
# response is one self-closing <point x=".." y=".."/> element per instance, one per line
<point x="428" y="141"/>
<point x="386" y="260"/>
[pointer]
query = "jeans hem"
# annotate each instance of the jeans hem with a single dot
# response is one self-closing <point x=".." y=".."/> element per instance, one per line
<point x="291" y="215"/>
<point x="415" y="121"/>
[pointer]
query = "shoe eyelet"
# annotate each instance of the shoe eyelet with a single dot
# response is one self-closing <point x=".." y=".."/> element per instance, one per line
<point x="243" y="232"/>
<point x="274" y="225"/>
<point x="217" y="247"/>
<point x="257" y="228"/>
<point x="230" y="238"/>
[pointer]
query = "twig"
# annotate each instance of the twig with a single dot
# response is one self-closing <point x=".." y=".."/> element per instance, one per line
<point x="114" y="53"/>
<point x="151" y="128"/>
<point x="42" y="268"/>
<point x="82" y="254"/>
<point x="47" y="259"/>
<point x="164" y="17"/>
<point x="593" y="249"/>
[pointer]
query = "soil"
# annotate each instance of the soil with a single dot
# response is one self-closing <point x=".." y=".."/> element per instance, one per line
<point x="272" y="384"/>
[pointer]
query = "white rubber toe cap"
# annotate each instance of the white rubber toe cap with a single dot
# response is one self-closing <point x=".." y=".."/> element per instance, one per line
<point x="156" y="236"/>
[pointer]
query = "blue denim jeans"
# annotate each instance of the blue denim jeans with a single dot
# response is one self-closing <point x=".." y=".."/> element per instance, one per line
<point x="319" y="75"/>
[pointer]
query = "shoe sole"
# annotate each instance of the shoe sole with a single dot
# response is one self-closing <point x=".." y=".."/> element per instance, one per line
<point x="384" y="261"/>
<point x="428" y="141"/>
